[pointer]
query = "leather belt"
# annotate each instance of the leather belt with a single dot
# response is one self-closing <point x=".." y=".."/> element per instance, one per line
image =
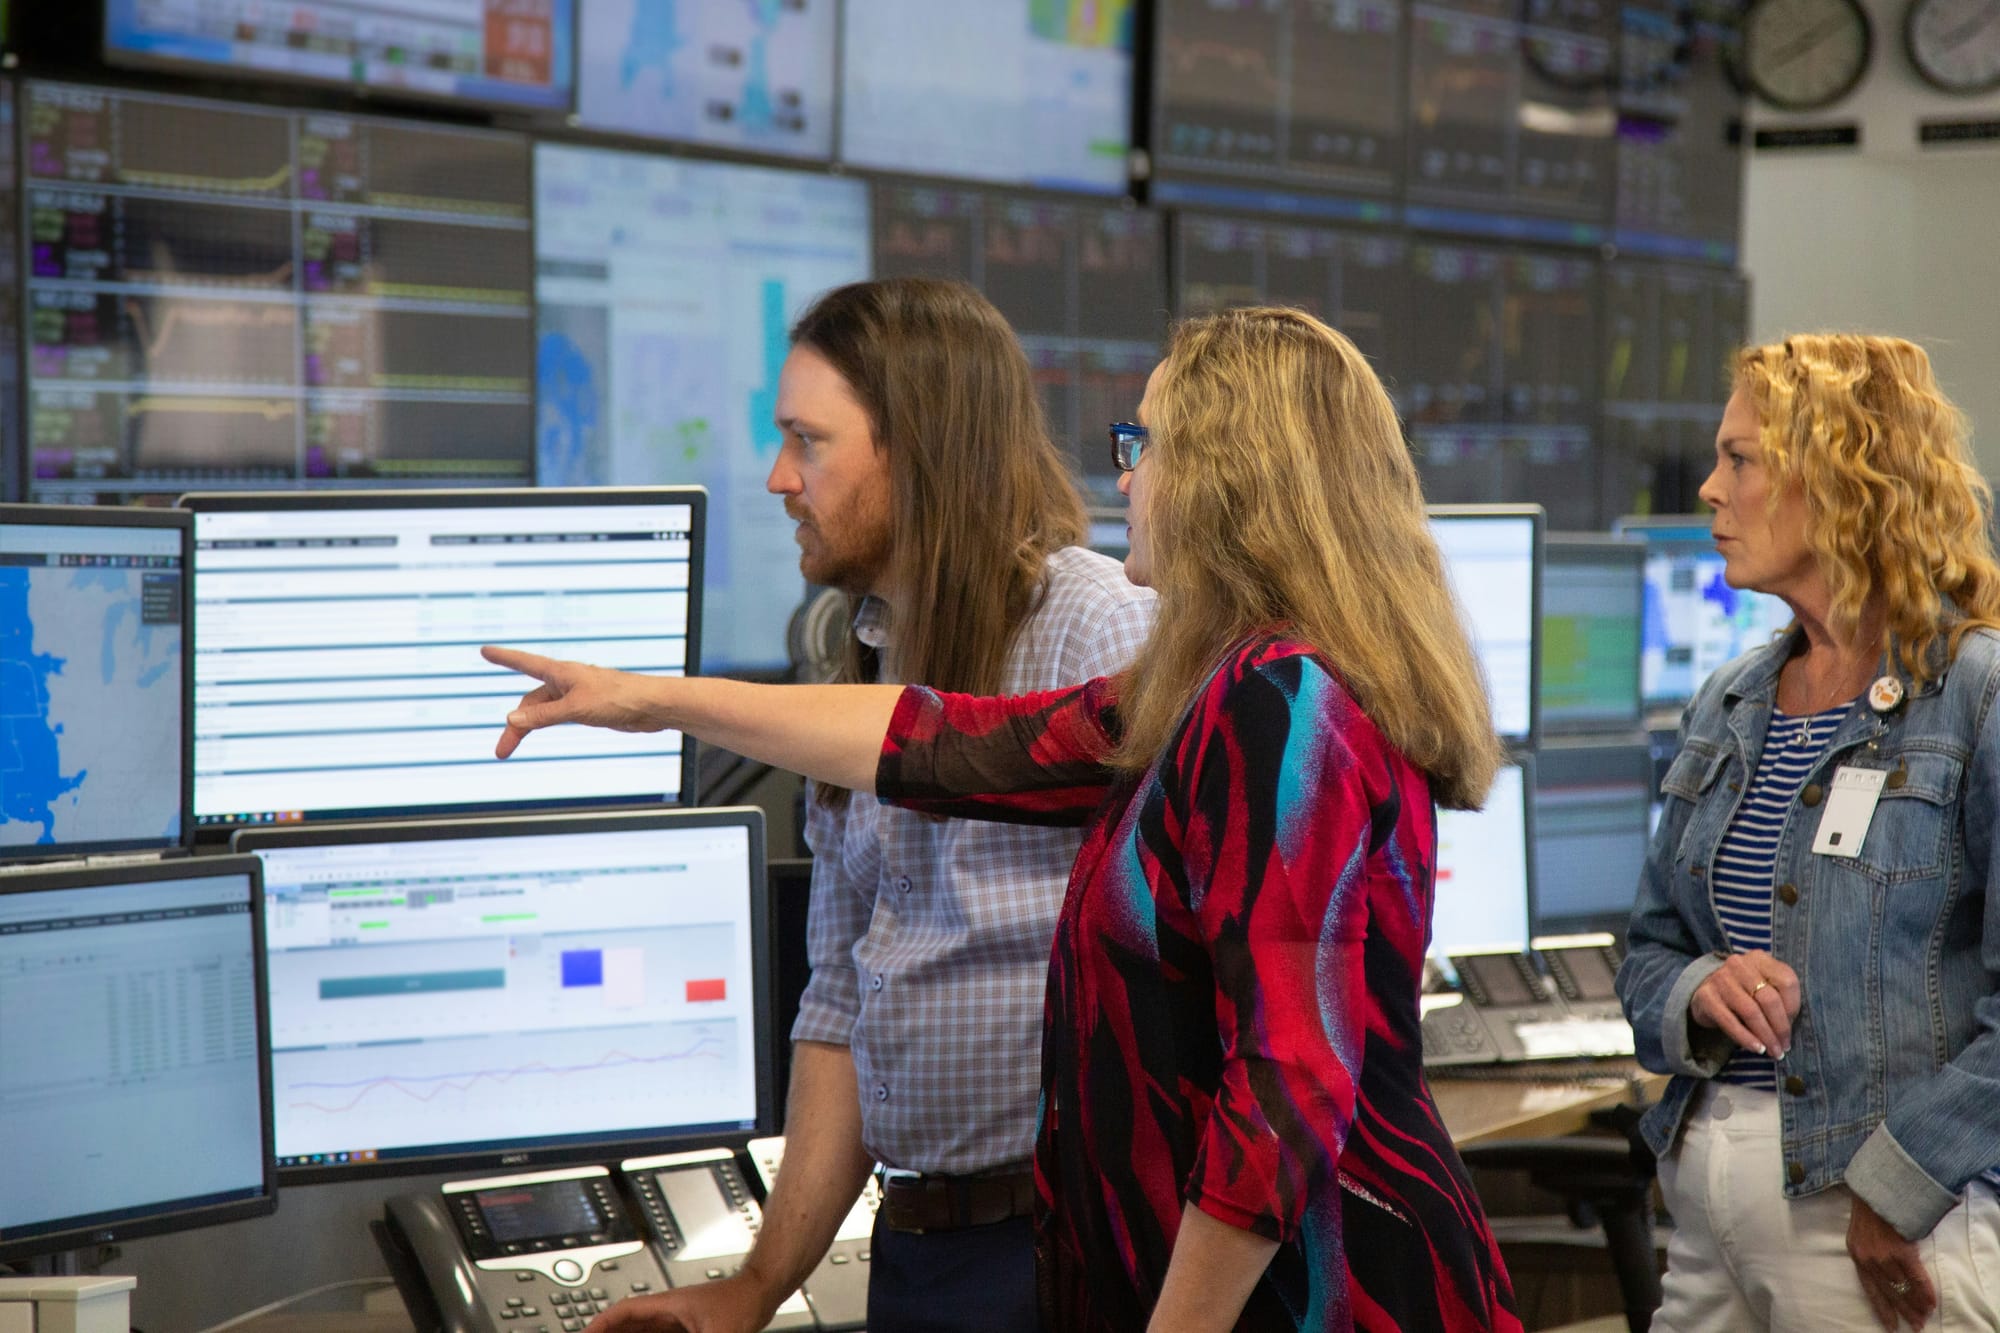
<point x="919" y="1203"/>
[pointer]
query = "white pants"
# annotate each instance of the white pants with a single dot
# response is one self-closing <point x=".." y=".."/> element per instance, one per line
<point x="1743" y="1257"/>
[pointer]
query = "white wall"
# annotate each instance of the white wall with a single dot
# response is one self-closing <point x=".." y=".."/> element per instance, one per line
<point x="1889" y="238"/>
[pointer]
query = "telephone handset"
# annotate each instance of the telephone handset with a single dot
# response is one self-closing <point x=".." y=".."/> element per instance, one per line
<point x="703" y="1219"/>
<point x="1497" y="991"/>
<point x="837" y="1290"/>
<point x="547" y="1250"/>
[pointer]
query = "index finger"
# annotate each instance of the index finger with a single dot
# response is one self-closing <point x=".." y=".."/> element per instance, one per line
<point x="528" y="664"/>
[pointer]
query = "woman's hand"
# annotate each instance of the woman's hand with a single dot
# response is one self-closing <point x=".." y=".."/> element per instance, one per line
<point x="575" y="692"/>
<point x="1892" y="1275"/>
<point x="1752" y="999"/>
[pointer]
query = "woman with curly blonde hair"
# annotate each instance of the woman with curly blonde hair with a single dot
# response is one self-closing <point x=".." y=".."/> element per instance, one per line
<point x="1815" y="951"/>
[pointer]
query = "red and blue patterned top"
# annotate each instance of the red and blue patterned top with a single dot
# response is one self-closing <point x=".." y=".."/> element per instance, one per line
<point x="1232" y="1014"/>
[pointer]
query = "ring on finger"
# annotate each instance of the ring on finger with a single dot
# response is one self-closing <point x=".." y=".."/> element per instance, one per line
<point x="1900" y="1287"/>
<point x="1762" y="985"/>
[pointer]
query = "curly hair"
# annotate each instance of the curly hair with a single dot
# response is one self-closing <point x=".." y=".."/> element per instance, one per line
<point x="1895" y="507"/>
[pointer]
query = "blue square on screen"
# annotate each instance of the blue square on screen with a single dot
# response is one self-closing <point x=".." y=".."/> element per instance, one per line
<point x="583" y="967"/>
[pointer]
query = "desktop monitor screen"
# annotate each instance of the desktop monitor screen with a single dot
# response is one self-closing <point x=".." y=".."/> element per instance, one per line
<point x="134" y="1079"/>
<point x="337" y="636"/>
<point x="1490" y="556"/>
<point x="1592" y="820"/>
<point x="492" y="53"/>
<point x="755" y="77"/>
<point x="1593" y="605"/>
<point x="1012" y="91"/>
<point x="1484" y="871"/>
<point x="1695" y="622"/>
<point x="516" y="992"/>
<point x="666" y="291"/>
<point x="228" y="296"/>
<point x="94" y="684"/>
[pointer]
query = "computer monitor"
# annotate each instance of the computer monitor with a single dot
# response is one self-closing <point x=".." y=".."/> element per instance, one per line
<point x="1592" y="824"/>
<point x="666" y="292"/>
<point x="489" y="53"/>
<point x="135" y="1083"/>
<point x="1082" y="282"/>
<point x="223" y="295"/>
<point x="95" y="712"/>
<point x="1287" y="107"/>
<point x="1593" y="607"/>
<point x="337" y="636"/>
<point x="1695" y="622"/>
<point x="752" y="77"/>
<point x="1485" y="869"/>
<point x="1492" y="555"/>
<point x="1043" y="91"/>
<point x="516" y="992"/>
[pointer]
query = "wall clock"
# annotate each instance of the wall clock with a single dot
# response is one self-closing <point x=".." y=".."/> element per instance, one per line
<point x="1802" y="55"/>
<point x="1954" y="44"/>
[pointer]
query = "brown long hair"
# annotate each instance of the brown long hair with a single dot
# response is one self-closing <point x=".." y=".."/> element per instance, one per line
<point x="1282" y="496"/>
<point x="979" y="496"/>
<point x="1894" y="502"/>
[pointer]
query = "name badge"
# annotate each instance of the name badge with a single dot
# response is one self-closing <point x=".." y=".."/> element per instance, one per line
<point x="1850" y="806"/>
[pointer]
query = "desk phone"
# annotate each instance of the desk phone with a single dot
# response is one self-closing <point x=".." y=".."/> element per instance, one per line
<point x="703" y="1219"/>
<point x="1505" y="1011"/>
<point x="538" y="1252"/>
<point x="837" y="1291"/>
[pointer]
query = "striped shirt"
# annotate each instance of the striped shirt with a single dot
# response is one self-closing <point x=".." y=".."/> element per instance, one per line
<point x="1747" y="861"/>
<point x="929" y="939"/>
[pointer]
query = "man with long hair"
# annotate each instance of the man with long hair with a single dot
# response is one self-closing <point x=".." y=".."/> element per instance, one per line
<point x="919" y="471"/>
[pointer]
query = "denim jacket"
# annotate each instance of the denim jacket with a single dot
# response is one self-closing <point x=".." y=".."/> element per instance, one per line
<point x="1892" y="1082"/>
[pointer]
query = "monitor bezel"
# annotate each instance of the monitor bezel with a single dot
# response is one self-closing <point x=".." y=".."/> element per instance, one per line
<point x="562" y="104"/>
<point x="452" y="1157"/>
<point x="1539" y="517"/>
<point x="174" y="1215"/>
<point x="1523" y="759"/>
<point x="197" y="503"/>
<point x="91" y="516"/>
<point x="1602" y="547"/>
<point x="1635" y="741"/>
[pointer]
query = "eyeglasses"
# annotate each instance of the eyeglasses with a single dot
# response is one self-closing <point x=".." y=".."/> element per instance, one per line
<point x="1128" y="440"/>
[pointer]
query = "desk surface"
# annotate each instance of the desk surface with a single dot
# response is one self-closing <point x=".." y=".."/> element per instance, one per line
<point x="1479" y="1110"/>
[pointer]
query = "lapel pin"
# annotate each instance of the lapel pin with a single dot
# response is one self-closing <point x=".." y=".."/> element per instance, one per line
<point x="1886" y="694"/>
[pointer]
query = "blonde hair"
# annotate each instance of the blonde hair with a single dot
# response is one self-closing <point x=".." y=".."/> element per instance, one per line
<point x="1895" y="507"/>
<point x="1282" y="497"/>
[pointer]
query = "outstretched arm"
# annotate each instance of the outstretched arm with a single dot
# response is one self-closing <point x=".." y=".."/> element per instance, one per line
<point x="831" y="733"/>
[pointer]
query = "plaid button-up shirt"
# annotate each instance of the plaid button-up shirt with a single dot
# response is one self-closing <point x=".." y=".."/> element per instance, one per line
<point x="929" y="939"/>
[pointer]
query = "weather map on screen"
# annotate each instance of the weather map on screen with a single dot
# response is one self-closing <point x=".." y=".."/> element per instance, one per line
<point x="751" y="74"/>
<point x="91" y="685"/>
<point x="666" y="294"/>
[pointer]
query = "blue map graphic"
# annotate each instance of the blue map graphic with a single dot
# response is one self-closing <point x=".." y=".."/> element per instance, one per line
<point x="567" y="413"/>
<point x="764" y="432"/>
<point x="30" y="750"/>
<point x="654" y="39"/>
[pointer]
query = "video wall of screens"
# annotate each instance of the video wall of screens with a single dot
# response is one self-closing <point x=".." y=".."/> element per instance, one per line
<point x="755" y="76"/>
<point x="1354" y="280"/>
<point x="220" y="295"/>
<point x="1018" y="92"/>
<point x="666" y="290"/>
<point x="1510" y="114"/>
<point x="1498" y="385"/>
<point x="1679" y="190"/>
<point x="1083" y="285"/>
<point x="1670" y="330"/>
<point x="1252" y="102"/>
<point x="500" y="53"/>
<point x="10" y="294"/>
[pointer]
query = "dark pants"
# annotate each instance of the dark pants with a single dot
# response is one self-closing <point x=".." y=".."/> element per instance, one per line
<point x="977" y="1280"/>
